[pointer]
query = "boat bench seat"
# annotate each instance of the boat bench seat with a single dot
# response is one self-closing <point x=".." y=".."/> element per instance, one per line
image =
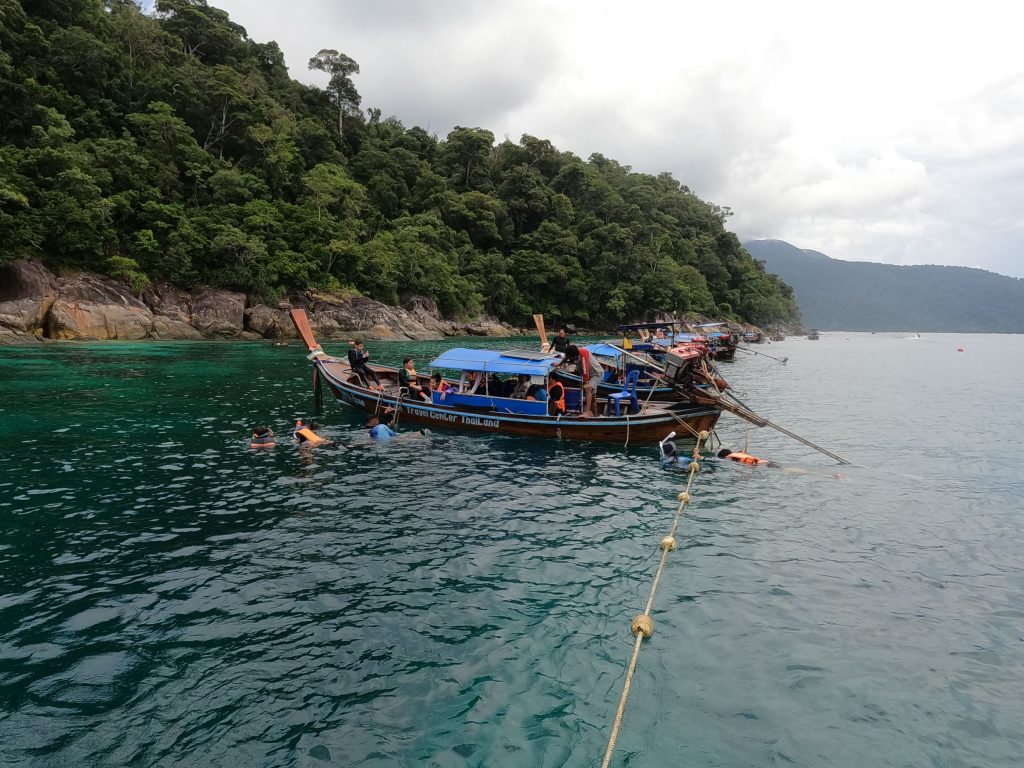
<point x="500" y="404"/>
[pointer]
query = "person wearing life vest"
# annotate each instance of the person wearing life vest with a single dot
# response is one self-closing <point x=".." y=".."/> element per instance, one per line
<point x="306" y="437"/>
<point x="409" y="379"/>
<point x="262" y="437"/>
<point x="745" y="458"/>
<point x="556" y="398"/>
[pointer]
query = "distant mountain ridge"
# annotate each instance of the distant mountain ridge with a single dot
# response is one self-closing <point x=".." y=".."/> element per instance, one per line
<point x="865" y="296"/>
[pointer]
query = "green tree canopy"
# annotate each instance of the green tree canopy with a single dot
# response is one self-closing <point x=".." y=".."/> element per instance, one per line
<point x="173" y="147"/>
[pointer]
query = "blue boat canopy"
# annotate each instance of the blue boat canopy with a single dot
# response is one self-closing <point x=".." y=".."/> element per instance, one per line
<point x="492" y="361"/>
<point x="604" y="350"/>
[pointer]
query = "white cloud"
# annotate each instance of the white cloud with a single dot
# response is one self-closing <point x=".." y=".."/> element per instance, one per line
<point x="873" y="131"/>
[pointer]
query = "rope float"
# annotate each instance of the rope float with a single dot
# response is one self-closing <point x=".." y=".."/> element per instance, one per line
<point x="642" y="625"/>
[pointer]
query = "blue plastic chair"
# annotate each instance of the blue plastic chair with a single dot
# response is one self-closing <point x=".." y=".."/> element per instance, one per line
<point x="628" y="393"/>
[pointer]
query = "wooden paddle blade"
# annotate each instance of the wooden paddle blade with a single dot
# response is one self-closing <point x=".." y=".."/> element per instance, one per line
<point x="301" y="322"/>
<point x="539" y="322"/>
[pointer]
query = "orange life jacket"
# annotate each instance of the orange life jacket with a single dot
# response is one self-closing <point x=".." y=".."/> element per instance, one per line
<point x="746" y="458"/>
<point x="559" y="399"/>
<point x="310" y="436"/>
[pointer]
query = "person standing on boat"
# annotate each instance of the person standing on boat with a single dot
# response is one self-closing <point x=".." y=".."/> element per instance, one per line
<point x="590" y="372"/>
<point x="560" y="342"/>
<point x="409" y="379"/>
<point x="357" y="357"/>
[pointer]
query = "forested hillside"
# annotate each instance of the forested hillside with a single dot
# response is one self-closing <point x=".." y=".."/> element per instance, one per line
<point x="862" y="296"/>
<point x="171" y="147"/>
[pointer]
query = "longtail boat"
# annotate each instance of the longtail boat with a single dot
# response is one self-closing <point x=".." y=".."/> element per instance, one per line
<point x="651" y="385"/>
<point x="485" y="406"/>
<point x="723" y="343"/>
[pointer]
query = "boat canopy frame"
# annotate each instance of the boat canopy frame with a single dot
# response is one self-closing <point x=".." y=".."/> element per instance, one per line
<point x="513" y="361"/>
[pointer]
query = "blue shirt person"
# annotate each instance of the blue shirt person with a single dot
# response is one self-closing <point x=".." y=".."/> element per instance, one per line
<point x="379" y="430"/>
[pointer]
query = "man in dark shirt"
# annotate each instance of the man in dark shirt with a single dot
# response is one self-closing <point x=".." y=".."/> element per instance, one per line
<point x="357" y="357"/>
<point x="560" y="343"/>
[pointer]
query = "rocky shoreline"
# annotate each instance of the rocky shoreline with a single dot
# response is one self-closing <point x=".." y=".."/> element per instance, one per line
<point x="37" y="305"/>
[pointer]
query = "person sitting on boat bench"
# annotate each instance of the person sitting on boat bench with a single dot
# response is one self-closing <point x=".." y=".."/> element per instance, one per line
<point x="357" y="357"/>
<point x="556" y="398"/>
<point x="522" y="390"/>
<point x="438" y="384"/>
<point x="537" y="392"/>
<point x="408" y="378"/>
<point x="470" y="382"/>
<point x="496" y="387"/>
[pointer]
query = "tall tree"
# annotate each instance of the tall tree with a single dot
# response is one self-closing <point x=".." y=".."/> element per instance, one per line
<point x="341" y="68"/>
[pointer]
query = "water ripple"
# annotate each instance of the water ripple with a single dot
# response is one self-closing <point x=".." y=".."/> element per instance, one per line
<point x="170" y="598"/>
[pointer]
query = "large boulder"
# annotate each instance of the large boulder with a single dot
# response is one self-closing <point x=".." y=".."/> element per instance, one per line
<point x="218" y="313"/>
<point x="27" y="289"/>
<point x="363" y="317"/>
<point x="270" y="322"/>
<point x="93" y="307"/>
<point x="167" y="301"/>
<point x="487" y="326"/>
<point x="167" y="328"/>
<point x="423" y="311"/>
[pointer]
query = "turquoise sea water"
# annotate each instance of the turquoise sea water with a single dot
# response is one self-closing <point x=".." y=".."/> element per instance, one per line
<point x="169" y="598"/>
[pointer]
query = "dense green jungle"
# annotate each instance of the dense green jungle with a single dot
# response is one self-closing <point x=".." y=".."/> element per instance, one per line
<point x="168" y="146"/>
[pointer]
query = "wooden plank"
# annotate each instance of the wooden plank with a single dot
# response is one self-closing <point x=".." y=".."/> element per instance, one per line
<point x="301" y="322"/>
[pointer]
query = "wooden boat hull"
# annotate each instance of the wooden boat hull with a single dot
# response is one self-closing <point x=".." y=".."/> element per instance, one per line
<point x="648" y="427"/>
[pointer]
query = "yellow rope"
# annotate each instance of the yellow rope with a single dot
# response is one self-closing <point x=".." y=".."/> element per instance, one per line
<point x="642" y="625"/>
<point x="678" y="418"/>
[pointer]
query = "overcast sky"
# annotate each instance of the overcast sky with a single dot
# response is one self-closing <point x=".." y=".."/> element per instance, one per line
<point x="871" y="131"/>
